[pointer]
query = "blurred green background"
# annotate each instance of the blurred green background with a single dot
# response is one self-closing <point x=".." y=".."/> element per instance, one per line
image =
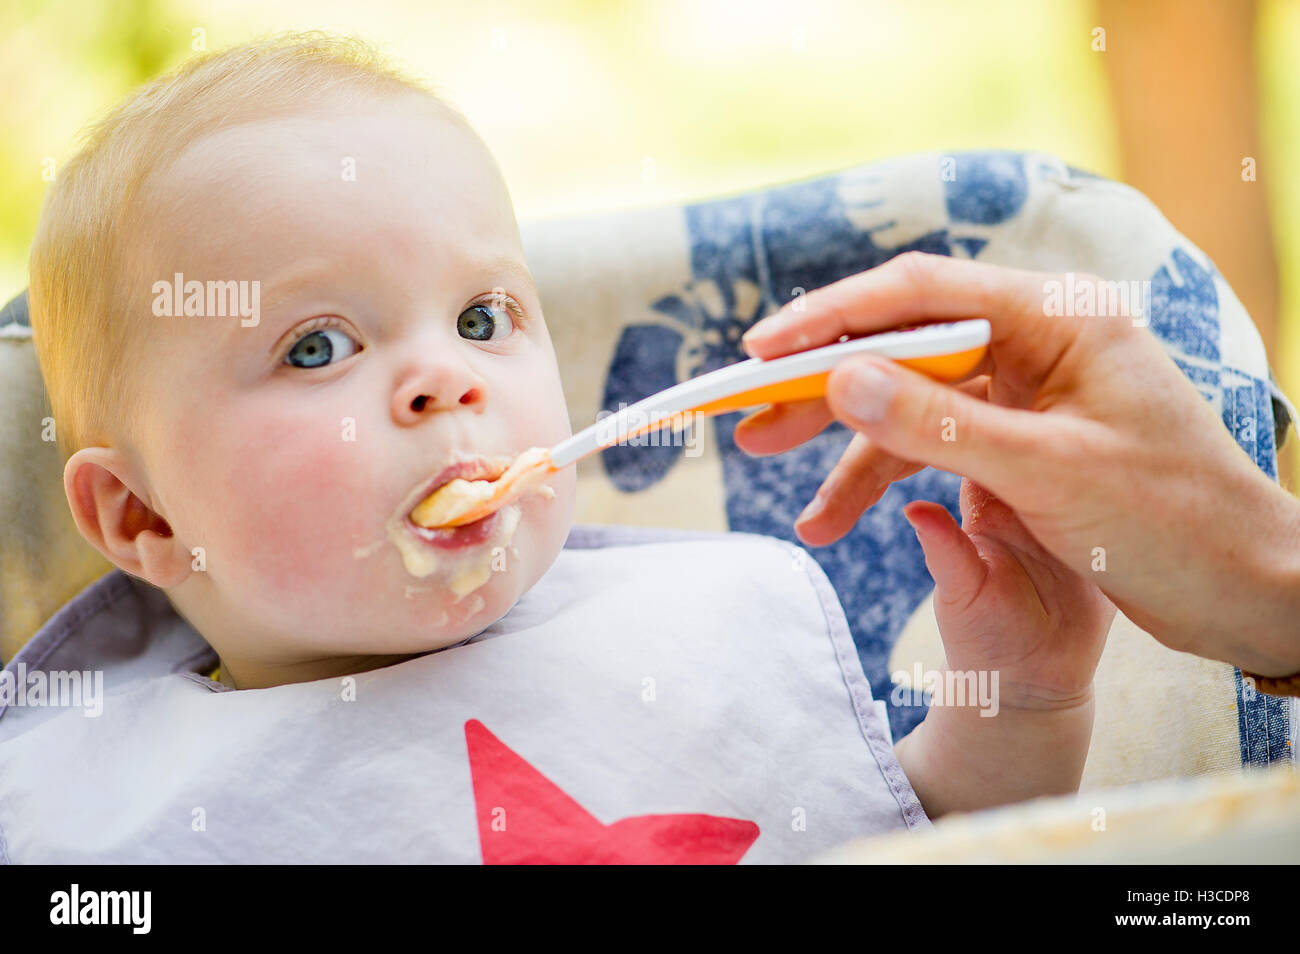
<point x="573" y="95"/>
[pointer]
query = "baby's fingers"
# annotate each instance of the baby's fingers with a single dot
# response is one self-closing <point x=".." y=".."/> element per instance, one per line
<point x="950" y="554"/>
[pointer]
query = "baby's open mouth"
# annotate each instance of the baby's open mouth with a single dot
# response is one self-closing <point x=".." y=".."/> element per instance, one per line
<point x="468" y="492"/>
<point x="456" y="489"/>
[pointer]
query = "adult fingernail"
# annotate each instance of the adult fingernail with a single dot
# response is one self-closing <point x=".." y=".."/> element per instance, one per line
<point x="815" y="506"/>
<point x="869" y="391"/>
<point x="765" y="326"/>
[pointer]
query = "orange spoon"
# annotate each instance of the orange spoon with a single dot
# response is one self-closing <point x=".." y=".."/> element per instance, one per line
<point x="945" y="352"/>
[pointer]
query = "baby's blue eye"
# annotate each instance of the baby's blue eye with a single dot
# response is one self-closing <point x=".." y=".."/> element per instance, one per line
<point x="316" y="349"/>
<point x="482" y="322"/>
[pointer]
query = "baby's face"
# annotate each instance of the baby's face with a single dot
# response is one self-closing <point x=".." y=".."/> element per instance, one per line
<point x="387" y="349"/>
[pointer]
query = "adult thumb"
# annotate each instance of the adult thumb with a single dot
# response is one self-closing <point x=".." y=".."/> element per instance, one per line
<point x="919" y="419"/>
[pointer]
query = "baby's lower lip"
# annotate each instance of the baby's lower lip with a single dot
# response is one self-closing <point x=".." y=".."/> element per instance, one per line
<point x="456" y="538"/>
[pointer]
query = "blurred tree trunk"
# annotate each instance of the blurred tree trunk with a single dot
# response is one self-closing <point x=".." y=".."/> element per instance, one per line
<point x="1183" y="78"/>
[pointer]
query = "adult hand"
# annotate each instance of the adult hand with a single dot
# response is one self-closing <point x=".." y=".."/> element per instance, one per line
<point x="1083" y="426"/>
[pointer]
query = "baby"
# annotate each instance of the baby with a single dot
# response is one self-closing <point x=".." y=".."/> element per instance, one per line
<point x="397" y="342"/>
<point x="376" y="333"/>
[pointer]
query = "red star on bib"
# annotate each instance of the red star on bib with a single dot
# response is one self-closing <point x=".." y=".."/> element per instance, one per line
<point x="525" y="818"/>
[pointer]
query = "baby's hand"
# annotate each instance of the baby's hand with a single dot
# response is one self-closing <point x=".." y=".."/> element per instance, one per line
<point x="1003" y="603"/>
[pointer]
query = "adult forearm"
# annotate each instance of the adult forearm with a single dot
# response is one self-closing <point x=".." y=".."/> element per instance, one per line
<point x="1265" y="623"/>
<point x="1236" y="595"/>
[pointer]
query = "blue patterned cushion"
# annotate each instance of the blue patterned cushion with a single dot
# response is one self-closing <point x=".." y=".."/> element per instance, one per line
<point x="1012" y="208"/>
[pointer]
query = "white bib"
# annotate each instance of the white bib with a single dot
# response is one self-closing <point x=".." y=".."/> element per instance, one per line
<point x="658" y="696"/>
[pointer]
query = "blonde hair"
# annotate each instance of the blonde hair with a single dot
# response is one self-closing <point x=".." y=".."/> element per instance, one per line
<point x="81" y="323"/>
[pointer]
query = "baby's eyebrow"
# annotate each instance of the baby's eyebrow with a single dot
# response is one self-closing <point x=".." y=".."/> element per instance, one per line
<point x="283" y="287"/>
<point x="511" y="265"/>
<point x="279" y="290"/>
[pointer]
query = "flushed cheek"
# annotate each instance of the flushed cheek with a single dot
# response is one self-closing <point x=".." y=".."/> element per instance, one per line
<point x="296" y="510"/>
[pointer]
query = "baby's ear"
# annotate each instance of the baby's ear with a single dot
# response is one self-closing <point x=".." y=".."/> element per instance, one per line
<point x="117" y="522"/>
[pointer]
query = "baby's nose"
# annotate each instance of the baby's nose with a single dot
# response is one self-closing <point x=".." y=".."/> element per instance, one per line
<point x="437" y="390"/>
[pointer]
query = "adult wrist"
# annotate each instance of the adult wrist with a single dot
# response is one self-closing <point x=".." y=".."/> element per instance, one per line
<point x="1267" y="637"/>
<point x="1273" y="686"/>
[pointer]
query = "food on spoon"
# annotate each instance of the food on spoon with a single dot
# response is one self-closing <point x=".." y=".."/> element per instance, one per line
<point x="461" y="501"/>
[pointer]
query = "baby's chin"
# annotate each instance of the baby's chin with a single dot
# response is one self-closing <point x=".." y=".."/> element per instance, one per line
<point x="428" y="619"/>
<point x="427" y="592"/>
<point x="455" y="593"/>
